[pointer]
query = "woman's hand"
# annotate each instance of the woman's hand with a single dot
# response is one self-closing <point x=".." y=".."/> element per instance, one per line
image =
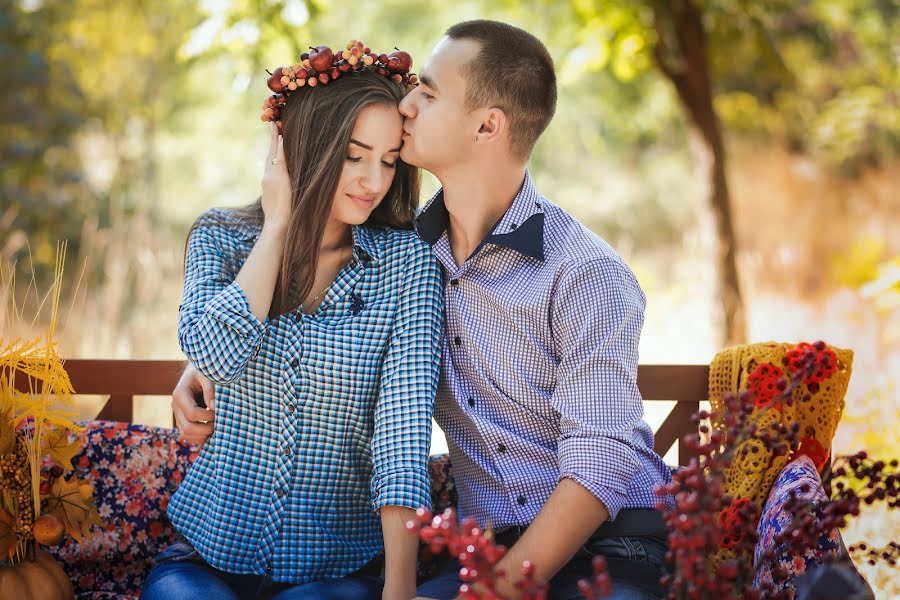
<point x="276" y="184"/>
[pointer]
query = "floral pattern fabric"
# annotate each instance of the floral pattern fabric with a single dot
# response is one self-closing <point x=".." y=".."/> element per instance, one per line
<point x="134" y="470"/>
<point x="775" y="519"/>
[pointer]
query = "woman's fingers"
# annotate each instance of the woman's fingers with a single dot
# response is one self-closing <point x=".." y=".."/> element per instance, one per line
<point x="279" y="154"/>
<point x="273" y="143"/>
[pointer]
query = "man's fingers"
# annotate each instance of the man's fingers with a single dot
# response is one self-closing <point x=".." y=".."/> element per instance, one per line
<point x="194" y="414"/>
<point x="209" y="392"/>
<point x="195" y="433"/>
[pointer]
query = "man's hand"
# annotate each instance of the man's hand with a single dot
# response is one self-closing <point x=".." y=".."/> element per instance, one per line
<point x="193" y="421"/>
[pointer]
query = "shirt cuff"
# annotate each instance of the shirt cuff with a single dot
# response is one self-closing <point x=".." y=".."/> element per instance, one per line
<point x="231" y="307"/>
<point x="604" y="466"/>
<point x="402" y="489"/>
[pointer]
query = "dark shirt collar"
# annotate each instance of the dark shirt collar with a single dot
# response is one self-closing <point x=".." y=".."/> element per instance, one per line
<point x="521" y="228"/>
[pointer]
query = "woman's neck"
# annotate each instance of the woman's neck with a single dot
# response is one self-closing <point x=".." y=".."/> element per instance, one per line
<point x="337" y="235"/>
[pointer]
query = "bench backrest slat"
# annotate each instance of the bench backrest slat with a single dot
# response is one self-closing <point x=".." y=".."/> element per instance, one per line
<point x="124" y="379"/>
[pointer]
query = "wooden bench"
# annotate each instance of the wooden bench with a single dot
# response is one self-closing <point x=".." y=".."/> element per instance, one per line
<point x="124" y="379"/>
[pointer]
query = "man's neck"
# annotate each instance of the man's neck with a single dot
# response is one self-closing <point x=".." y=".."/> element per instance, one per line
<point x="475" y="202"/>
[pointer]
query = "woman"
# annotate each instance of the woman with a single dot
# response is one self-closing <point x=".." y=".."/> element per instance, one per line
<point x="317" y="312"/>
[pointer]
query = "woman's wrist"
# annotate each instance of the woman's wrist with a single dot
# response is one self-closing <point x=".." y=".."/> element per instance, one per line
<point x="398" y="590"/>
<point x="274" y="227"/>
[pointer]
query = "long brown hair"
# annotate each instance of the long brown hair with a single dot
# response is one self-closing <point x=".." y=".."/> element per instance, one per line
<point x="317" y="127"/>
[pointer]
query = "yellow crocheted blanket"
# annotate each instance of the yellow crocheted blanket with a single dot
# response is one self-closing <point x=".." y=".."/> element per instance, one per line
<point x="817" y="406"/>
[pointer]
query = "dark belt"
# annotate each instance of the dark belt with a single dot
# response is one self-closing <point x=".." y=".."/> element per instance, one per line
<point x="630" y="522"/>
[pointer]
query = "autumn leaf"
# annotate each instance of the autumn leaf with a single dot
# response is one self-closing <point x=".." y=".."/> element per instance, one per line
<point x="72" y="503"/>
<point x="56" y="442"/>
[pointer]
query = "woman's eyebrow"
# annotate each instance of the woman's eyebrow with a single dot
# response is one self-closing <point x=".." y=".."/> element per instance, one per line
<point x="368" y="147"/>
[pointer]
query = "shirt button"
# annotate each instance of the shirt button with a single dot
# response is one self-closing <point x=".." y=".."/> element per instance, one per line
<point x="472" y="402"/>
<point x="454" y="282"/>
<point x="291" y="408"/>
<point x="457" y="341"/>
<point x="512" y="225"/>
<point x="287" y="450"/>
<point x="501" y="449"/>
<point x="538" y="204"/>
<point x="295" y="363"/>
<point x="521" y="500"/>
<point x="280" y="492"/>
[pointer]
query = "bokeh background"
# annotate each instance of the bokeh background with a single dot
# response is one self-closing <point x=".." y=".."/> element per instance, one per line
<point x="744" y="158"/>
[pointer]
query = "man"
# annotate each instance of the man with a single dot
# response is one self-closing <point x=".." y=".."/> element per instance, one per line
<point x="538" y="394"/>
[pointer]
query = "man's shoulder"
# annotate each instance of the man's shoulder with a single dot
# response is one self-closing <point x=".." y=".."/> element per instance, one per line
<point x="572" y="246"/>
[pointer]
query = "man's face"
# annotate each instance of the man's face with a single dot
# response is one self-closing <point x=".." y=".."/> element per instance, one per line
<point x="438" y="131"/>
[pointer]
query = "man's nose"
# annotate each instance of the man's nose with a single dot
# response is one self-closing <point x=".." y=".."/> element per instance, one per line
<point x="407" y="106"/>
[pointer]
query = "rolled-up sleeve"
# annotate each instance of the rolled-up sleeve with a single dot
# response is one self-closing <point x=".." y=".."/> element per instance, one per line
<point x="597" y="315"/>
<point x="402" y="434"/>
<point x="217" y="329"/>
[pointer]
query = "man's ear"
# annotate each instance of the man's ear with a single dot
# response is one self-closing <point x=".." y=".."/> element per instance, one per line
<point x="493" y="125"/>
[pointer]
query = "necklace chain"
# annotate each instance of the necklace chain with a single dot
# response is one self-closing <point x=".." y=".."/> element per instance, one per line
<point x="328" y="287"/>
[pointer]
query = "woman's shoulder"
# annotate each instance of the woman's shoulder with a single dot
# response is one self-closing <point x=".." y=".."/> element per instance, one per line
<point x="403" y="245"/>
<point x="224" y="225"/>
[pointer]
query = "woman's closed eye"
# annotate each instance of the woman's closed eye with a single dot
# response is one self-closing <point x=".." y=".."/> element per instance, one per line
<point x="356" y="159"/>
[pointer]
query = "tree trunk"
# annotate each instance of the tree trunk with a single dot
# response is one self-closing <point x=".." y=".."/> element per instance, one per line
<point x="680" y="54"/>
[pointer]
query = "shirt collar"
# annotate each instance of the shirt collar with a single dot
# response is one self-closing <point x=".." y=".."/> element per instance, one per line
<point x="367" y="243"/>
<point x="521" y="228"/>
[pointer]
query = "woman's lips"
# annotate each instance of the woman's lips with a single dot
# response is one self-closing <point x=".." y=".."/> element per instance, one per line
<point x="365" y="201"/>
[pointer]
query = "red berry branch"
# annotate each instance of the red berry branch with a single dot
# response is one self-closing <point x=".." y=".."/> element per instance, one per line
<point x="478" y="557"/>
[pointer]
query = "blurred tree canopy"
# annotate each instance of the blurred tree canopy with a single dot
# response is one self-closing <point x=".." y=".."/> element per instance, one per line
<point x="117" y="108"/>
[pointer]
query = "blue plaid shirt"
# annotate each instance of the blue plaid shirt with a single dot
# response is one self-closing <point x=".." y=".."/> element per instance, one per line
<point x="539" y="366"/>
<point x="320" y="419"/>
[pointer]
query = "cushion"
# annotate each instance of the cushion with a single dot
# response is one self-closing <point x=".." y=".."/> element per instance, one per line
<point x="134" y="470"/>
<point x="775" y="519"/>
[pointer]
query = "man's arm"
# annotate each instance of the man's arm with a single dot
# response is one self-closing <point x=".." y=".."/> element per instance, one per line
<point x="597" y="316"/>
<point x="194" y="422"/>
<point x="569" y="517"/>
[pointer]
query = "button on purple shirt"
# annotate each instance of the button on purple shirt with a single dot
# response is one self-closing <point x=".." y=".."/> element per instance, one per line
<point x="539" y="366"/>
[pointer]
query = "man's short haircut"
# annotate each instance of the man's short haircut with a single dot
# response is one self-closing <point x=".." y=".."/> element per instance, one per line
<point x="513" y="71"/>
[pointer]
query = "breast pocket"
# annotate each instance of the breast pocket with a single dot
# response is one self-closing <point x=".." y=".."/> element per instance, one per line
<point x="350" y="345"/>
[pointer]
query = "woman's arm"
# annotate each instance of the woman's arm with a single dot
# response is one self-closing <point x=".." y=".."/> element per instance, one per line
<point x="221" y="322"/>
<point x="401" y="550"/>
<point x="259" y="274"/>
<point x="402" y="436"/>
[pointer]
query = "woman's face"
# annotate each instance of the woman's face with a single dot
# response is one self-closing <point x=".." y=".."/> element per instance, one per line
<point x="370" y="165"/>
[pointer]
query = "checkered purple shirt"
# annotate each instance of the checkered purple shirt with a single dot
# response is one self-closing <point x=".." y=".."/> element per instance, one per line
<point x="539" y="365"/>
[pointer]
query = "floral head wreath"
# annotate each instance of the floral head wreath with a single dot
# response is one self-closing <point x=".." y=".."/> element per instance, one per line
<point x="321" y="65"/>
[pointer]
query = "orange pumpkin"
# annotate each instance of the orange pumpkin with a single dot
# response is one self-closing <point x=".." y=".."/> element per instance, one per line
<point x="39" y="579"/>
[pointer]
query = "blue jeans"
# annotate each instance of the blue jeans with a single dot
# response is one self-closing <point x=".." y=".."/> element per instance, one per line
<point x="180" y="573"/>
<point x="635" y="565"/>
